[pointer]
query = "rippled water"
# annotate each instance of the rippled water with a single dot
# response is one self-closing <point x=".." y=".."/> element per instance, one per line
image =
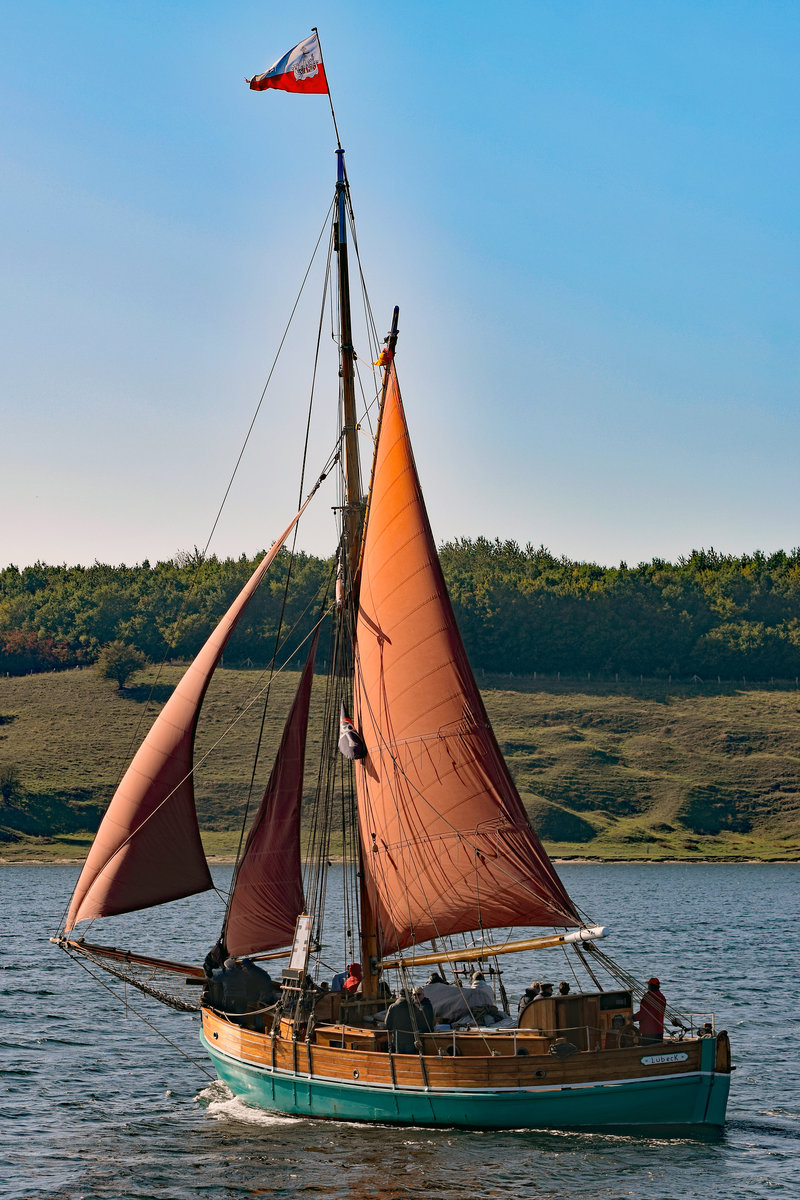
<point x="95" y="1104"/>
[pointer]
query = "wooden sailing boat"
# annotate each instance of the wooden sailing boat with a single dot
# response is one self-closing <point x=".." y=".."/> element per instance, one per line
<point x="446" y="865"/>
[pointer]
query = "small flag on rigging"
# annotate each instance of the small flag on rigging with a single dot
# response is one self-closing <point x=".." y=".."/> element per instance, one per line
<point x="350" y="741"/>
<point x="300" y="70"/>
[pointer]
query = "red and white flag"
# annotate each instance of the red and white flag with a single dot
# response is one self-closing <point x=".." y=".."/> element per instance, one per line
<point x="300" y="70"/>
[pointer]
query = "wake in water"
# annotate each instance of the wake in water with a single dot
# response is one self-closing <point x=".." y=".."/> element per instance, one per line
<point x="221" y="1104"/>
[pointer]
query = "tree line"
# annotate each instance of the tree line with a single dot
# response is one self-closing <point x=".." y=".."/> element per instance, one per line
<point x="520" y="610"/>
<point x="58" y="616"/>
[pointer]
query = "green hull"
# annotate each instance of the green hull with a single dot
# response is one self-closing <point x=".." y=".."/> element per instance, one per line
<point x="698" y="1098"/>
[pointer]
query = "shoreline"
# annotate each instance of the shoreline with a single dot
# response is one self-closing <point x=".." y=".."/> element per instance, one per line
<point x="225" y="860"/>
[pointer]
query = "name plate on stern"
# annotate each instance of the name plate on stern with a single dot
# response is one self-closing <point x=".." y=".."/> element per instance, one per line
<point x="654" y="1060"/>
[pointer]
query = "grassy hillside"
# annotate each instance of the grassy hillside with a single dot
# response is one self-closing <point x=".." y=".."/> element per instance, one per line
<point x="607" y="771"/>
<point x="654" y="771"/>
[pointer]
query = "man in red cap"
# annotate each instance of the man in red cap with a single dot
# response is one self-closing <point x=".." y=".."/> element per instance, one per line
<point x="353" y="981"/>
<point x="651" y="1013"/>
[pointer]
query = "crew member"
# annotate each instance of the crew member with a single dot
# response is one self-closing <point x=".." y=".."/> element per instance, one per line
<point x="353" y="981"/>
<point x="528" y="996"/>
<point x="480" y="999"/>
<point x="424" y="1012"/>
<point x="651" y="1013"/>
<point x="401" y="1023"/>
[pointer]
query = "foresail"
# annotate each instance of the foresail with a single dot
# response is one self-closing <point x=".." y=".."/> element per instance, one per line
<point x="148" y="850"/>
<point x="268" y="890"/>
<point x="447" y="844"/>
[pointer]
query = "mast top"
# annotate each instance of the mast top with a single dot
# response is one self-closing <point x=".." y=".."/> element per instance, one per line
<point x="328" y="87"/>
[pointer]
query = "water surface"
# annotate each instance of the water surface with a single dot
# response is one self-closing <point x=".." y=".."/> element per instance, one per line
<point x="95" y="1104"/>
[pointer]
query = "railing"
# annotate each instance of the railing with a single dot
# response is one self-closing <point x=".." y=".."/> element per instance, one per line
<point x="699" y="1025"/>
<point x="582" y="1037"/>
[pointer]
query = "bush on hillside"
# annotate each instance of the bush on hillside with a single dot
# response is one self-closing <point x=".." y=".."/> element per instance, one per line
<point x="119" y="661"/>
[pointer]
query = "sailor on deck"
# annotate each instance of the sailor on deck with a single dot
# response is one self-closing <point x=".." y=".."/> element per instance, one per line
<point x="401" y="1024"/>
<point x="424" y="1013"/>
<point x="528" y="996"/>
<point x="353" y="982"/>
<point x="651" y="1013"/>
<point x="480" y="998"/>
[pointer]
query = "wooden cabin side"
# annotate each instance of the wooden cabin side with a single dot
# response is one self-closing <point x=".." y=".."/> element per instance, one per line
<point x="584" y="1019"/>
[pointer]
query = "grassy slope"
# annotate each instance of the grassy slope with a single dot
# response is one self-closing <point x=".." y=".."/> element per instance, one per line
<point x="607" y="771"/>
<point x="654" y="771"/>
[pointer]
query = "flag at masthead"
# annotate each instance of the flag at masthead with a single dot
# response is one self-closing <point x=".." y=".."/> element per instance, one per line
<point x="300" y="70"/>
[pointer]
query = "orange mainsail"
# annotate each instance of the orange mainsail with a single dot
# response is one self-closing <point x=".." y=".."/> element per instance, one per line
<point x="148" y="850"/>
<point x="447" y="845"/>
<point x="268" y="889"/>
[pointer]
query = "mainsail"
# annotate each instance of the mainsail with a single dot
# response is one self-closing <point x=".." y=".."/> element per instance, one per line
<point x="447" y="844"/>
<point x="148" y="850"/>
<point x="267" y="895"/>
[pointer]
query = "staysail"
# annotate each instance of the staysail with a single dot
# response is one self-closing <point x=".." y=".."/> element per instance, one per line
<point x="447" y="845"/>
<point x="148" y="850"/>
<point x="268" y="888"/>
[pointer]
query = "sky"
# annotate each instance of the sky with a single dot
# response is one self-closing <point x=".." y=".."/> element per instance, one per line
<point x="587" y="212"/>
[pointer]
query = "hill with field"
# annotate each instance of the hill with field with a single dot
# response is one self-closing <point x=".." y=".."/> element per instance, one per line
<point x="607" y="770"/>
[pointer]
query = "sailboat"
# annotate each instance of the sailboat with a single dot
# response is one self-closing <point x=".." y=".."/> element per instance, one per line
<point x="445" y="875"/>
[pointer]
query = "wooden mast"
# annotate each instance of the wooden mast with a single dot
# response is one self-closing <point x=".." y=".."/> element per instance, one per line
<point x="354" y="500"/>
<point x="353" y="516"/>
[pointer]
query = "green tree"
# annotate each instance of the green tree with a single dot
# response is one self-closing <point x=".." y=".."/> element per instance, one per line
<point x="9" y="781"/>
<point x="118" y="661"/>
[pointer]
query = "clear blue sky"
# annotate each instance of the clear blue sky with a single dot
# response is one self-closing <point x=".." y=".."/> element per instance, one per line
<point x="588" y="213"/>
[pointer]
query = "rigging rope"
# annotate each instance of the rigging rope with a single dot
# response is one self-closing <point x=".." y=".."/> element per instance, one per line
<point x="193" y="586"/>
<point x="318" y="622"/>
<point x="390" y="749"/>
<point x="194" y="767"/>
<point x="269" y="378"/>
<point x="140" y="1016"/>
<point x="243" y="827"/>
